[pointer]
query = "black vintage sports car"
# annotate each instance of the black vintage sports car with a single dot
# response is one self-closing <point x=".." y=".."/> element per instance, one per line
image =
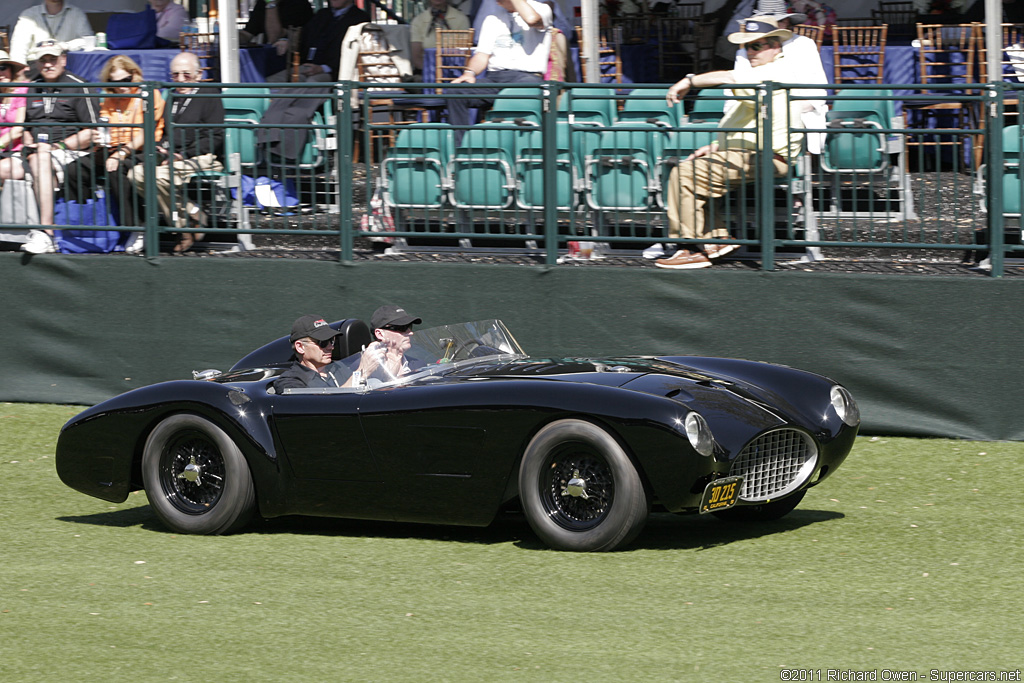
<point x="587" y="446"/>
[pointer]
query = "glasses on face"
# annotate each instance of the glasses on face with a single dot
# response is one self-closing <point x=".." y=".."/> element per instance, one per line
<point x="126" y="79"/>
<point x="6" y="67"/>
<point x="401" y="329"/>
<point x="322" y="344"/>
<point x="182" y="74"/>
<point x="756" y="46"/>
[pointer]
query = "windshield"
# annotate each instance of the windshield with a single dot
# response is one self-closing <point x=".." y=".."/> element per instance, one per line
<point x="431" y="351"/>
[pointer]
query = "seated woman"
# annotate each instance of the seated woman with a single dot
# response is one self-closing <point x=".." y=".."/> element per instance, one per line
<point x="115" y="150"/>
<point x="12" y="115"/>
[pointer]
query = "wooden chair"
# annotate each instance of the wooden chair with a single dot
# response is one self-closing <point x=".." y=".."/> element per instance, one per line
<point x="677" y="47"/>
<point x="609" y="54"/>
<point x="858" y="53"/>
<point x="5" y="43"/>
<point x="815" y="33"/>
<point x="454" y="48"/>
<point x="1011" y="70"/>
<point x="705" y="37"/>
<point x="946" y="56"/>
<point x="204" y="46"/>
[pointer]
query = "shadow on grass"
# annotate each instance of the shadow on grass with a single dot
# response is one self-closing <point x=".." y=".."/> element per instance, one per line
<point x="662" y="532"/>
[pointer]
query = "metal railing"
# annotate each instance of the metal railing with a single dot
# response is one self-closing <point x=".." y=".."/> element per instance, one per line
<point x="551" y="164"/>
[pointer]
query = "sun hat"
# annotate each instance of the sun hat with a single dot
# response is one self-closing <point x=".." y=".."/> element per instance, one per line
<point x="757" y="28"/>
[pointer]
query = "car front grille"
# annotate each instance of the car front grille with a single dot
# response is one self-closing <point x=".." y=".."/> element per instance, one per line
<point x="774" y="464"/>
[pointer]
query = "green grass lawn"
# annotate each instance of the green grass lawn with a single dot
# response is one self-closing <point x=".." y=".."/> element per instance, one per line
<point x="908" y="558"/>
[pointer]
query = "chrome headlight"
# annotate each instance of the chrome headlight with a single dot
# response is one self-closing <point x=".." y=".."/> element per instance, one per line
<point x="845" y="406"/>
<point x="699" y="434"/>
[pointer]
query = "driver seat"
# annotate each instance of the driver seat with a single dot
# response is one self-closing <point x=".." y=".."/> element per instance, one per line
<point x="354" y="335"/>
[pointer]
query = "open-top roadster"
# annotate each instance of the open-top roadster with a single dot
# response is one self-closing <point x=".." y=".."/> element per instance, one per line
<point x="587" y="446"/>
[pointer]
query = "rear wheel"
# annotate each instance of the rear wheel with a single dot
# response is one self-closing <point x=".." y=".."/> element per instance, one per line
<point x="196" y="478"/>
<point x="764" y="512"/>
<point x="579" y="489"/>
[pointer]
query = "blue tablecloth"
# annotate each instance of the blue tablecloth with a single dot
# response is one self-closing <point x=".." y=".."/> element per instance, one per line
<point x="156" y="64"/>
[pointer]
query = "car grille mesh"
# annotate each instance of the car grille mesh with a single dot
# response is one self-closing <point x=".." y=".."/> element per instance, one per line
<point x="775" y="464"/>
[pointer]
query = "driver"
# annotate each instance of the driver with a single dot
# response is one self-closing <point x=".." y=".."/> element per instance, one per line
<point x="392" y="328"/>
<point x="312" y="340"/>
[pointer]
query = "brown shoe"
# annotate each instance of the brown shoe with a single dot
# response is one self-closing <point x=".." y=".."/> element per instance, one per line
<point x="684" y="259"/>
<point x="186" y="242"/>
<point x="719" y="250"/>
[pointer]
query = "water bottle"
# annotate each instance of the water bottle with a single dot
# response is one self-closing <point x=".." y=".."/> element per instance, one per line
<point x="43" y="138"/>
<point x="101" y="39"/>
<point x="104" y="131"/>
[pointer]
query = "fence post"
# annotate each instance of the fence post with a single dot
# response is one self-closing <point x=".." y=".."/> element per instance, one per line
<point x="994" y="145"/>
<point x="765" y="176"/>
<point x="343" y="129"/>
<point x="549" y="127"/>
<point x="149" y="203"/>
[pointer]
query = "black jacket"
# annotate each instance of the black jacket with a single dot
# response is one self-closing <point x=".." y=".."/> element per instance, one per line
<point x="298" y="376"/>
<point x="323" y="34"/>
<point x="192" y="142"/>
<point x="45" y="103"/>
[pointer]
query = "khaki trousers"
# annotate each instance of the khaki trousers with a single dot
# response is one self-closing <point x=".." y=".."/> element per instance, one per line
<point x="182" y="171"/>
<point x="694" y="182"/>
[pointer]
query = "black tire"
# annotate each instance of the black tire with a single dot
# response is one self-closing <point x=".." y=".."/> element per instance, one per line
<point x="603" y="510"/>
<point x="196" y="478"/>
<point x="765" y="512"/>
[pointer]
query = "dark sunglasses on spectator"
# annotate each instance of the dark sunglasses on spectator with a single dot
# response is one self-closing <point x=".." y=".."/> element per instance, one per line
<point x="399" y="328"/>
<point x="323" y="344"/>
<point x="126" y="79"/>
<point x="756" y="46"/>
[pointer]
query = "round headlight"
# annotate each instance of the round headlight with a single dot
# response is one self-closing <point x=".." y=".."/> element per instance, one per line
<point x="699" y="434"/>
<point x="845" y="406"/>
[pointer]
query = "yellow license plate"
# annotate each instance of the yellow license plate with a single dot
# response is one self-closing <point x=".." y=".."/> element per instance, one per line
<point x="721" y="494"/>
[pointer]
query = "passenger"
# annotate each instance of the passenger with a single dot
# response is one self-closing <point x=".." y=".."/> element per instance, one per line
<point x="184" y="152"/>
<point x="116" y="150"/>
<point x="68" y="133"/>
<point x="53" y="20"/>
<point x="312" y="341"/>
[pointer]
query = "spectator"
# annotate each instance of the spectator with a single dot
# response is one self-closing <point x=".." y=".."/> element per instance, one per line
<point x="68" y="135"/>
<point x="184" y="152"/>
<point x="115" y="150"/>
<point x="170" y="18"/>
<point x="50" y="20"/>
<point x="716" y="169"/>
<point x="441" y="15"/>
<point x="392" y="327"/>
<point x="320" y="45"/>
<point x="276" y="21"/>
<point x="816" y="14"/>
<point x="12" y="115"/>
<point x="513" y="47"/>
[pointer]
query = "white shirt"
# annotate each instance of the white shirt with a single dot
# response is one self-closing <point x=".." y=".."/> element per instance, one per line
<point x="69" y="27"/>
<point x="512" y="44"/>
<point x="802" y="65"/>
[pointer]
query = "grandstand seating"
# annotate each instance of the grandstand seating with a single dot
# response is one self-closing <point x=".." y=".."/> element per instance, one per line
<point x="621" y="171"/>
<point x="530" y="170"/>
<point x="482" y="168"/>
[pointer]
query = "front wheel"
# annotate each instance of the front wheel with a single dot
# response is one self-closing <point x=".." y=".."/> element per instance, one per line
<point x="196" y="478"/>
<point x="764" y="512"/>
<point x="579" y="489"/>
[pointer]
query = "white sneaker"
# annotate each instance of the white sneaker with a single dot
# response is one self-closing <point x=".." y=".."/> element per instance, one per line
<point x="136" y="244"/>
<point x="654" y="251"/>
<point x="39" y="243"/>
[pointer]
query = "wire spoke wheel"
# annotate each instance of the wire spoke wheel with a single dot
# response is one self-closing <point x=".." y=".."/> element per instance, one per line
<point x="192" y="473"/>
<point x="580" y="491"/>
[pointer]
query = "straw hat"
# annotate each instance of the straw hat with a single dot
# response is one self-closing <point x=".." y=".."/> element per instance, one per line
<point x="756" y="28"/>
<point x="6" y="59"/>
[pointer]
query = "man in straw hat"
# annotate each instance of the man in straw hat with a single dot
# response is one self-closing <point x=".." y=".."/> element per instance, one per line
<point x="732" y="160"/>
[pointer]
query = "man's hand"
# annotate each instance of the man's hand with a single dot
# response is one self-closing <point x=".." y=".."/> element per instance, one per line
<point x="703" y="151"/>
<point x="678" y="91"/>
<point x="466" y="77"/>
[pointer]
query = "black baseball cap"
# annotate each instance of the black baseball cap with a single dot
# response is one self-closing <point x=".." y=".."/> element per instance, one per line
<point x="314" y="327"/>
<point x="392" y="315"/>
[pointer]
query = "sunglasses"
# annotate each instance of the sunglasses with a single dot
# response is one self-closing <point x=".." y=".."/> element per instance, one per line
<point x="756" y="46"/>
<point x="126" y="79"/>
<point x="399" y="328"/>
<point x="182" y="74"/>
<point x="322" y="344"/>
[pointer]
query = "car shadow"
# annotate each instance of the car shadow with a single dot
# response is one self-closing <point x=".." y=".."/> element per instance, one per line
<point x="663" y="531"/>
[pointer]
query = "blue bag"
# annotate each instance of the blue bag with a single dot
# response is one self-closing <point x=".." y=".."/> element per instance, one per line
<point x="127" y="31"/>
<point x="266" y="192"/>
<point x="92" y="212"/>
